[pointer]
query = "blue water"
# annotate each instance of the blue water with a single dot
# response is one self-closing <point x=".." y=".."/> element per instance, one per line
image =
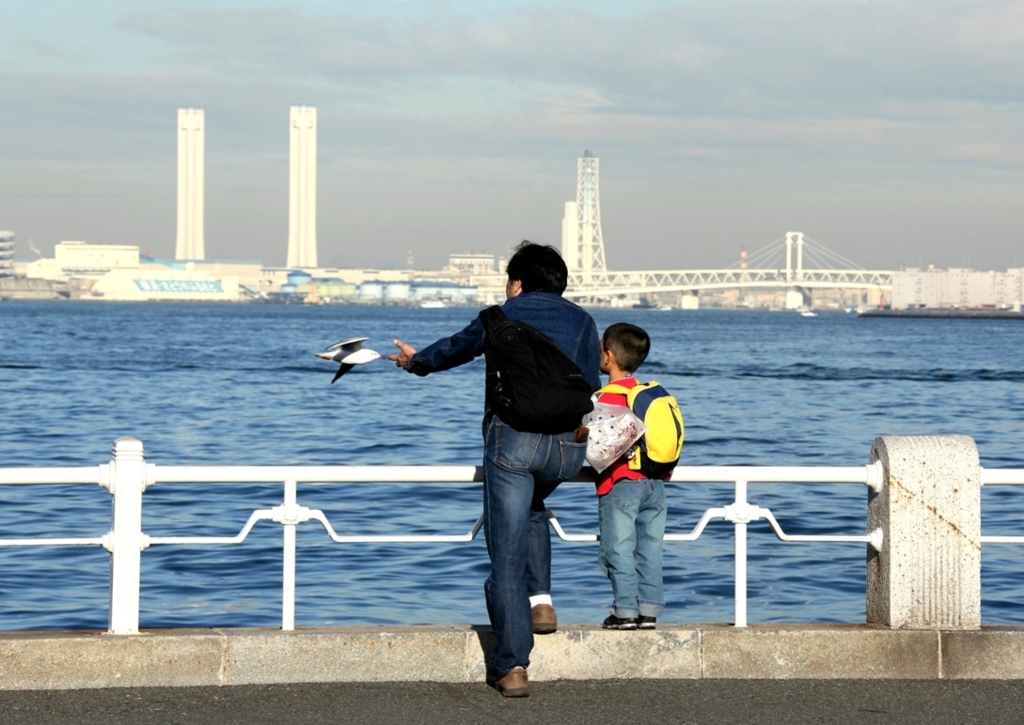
<point x="237" y="384"/>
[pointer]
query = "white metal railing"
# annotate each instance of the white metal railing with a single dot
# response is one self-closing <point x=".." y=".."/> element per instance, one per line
<point x="740" y="512"/>
<point x="1002" y="477"/>
<point x="128" y="475"/>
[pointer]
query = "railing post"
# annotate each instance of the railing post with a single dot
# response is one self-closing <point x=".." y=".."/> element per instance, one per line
<point x="741" y="556"/>
<point x="127" y="481"/>
<point x="290" y="520"/>
<point x="928" y="572"/>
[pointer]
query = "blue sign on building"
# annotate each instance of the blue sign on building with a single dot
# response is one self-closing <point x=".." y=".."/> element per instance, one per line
<point x="180" y="286"/>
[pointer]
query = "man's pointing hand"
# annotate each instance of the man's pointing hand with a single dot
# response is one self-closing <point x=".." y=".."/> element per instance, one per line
<point x="402" y="358"/>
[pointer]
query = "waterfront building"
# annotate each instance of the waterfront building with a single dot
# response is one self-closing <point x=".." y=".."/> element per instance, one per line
<point x="450" y="293"/>
<point x="13" y="283"/>
<point x="6" y="254"/>
<point x="372" y="292"/>
<point x="465" y="264"/>
<point x="191" y="191"/>
<point x="309" y="288"/>
<point x="301" y="286"/>
<point x="78" y="259"/>
<point x="302" y="188"/>
<point x="119" y="272"/>
<point x="164" y="282"/>
<point x="914" y="288"/>
<point x="332" y="289"/>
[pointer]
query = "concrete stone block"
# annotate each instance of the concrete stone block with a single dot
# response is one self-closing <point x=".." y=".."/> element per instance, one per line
<point x="352" y="654"/>
<point x="989" y="654"/>
<point x="591" y="653"/>
<point x="928" y="573"/>
<point x="69" y="660"/>
<point x="831" y="652"/>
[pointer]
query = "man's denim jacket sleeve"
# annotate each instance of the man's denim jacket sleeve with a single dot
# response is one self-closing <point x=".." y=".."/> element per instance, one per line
<point x="450" y="352"/>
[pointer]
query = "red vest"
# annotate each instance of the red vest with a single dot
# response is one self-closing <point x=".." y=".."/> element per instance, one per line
<point x="619" y="469"/>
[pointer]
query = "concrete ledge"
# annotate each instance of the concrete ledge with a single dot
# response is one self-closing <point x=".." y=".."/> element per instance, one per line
<point x="70" y="660"/>
<point x="993" y="653"/>
<point x="356" y="654"/>
<point x="821" y="653"/>
<point x="592" y="653"/>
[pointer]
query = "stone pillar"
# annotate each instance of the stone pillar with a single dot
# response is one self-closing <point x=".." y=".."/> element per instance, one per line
<point x="928" y="573"/>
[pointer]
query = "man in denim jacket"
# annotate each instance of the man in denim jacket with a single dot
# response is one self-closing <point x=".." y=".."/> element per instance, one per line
<point x="520" y="469"/>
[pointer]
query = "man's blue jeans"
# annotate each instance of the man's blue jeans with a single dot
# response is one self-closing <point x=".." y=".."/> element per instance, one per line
<point x="632" y="521"/>
<point x="520" y="470"/>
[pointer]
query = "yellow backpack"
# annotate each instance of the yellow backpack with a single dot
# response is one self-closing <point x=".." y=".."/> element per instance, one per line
<point x="657" y="451"/>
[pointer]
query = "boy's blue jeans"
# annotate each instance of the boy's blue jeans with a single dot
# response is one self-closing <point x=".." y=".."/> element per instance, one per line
<point x="520" y="470"/>
<point x="632" y="521"/>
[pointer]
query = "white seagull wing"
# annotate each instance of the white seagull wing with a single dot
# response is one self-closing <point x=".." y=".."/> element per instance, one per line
<point x="342" y="348"/>
<point x="349" y="344"/>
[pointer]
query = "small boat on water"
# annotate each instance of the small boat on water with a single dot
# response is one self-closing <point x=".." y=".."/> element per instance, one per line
<point x="807" y="312"/>
<point x="432" y="304"/>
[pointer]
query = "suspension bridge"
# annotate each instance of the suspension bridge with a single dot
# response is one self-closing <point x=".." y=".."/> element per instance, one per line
<point x="782" y="265"/>
<point x="793" y="263"/>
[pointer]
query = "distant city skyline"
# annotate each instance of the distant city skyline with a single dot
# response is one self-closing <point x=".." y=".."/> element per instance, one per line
<point x="888" y="132"/>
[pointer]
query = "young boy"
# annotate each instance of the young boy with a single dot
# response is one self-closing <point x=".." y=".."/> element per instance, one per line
<point x="631" y="503"/>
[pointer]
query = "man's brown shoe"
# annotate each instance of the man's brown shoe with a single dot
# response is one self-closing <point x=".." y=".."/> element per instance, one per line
<point x="515" y="683"/>
<point x="544" y="619"/>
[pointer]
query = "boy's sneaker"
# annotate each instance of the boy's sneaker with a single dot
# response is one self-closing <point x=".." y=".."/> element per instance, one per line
<point x="646" y="622"/>
<point x="614" y="622"/>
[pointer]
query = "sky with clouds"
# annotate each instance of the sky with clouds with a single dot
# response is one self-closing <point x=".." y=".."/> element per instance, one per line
<point x="889" y="131"/>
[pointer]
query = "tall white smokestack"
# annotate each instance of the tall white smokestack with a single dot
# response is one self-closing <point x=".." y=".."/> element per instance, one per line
<point x="302" y="188"/>
<point x="191" y="163"/>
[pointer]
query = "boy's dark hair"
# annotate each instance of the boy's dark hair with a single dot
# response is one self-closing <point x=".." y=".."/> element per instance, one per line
<point x="628" y="343"/>
<point x="539" y="268"/>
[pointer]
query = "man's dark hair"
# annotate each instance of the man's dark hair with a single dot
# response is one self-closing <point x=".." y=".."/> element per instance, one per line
<point x="539" y="268"/>
<point x="628" y="343"/>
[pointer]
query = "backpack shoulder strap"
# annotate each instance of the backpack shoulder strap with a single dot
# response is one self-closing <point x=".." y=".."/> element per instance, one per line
<point x="652" y="385"/>
<point x="492" y="316"/>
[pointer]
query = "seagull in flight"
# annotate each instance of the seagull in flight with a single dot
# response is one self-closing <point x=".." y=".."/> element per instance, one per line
<point x="349" y="353"/>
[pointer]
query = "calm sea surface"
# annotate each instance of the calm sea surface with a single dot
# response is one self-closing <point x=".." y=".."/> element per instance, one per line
<point x="237" y="384"/>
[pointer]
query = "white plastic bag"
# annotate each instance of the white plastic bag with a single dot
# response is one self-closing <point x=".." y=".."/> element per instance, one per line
<point x="613" y="429"/>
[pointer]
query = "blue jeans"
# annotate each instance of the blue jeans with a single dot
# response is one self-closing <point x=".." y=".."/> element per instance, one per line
<point x="632" y="521"/>
<point x="520" y="470"/>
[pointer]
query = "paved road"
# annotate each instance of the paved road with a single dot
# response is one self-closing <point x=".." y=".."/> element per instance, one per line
<point x="647" y="702"/>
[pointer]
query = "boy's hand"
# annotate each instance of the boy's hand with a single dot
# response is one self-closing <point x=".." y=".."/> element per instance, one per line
<point x="402" y="358"/>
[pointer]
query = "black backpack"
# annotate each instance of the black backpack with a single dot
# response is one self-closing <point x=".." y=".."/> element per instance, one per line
<point x="532" y="384"/>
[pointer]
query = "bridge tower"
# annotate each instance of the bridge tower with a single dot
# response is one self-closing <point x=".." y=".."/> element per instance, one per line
<point x="796" y="296"/>
<point x="589" y="252"/>
<point x="796" y="238"/>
